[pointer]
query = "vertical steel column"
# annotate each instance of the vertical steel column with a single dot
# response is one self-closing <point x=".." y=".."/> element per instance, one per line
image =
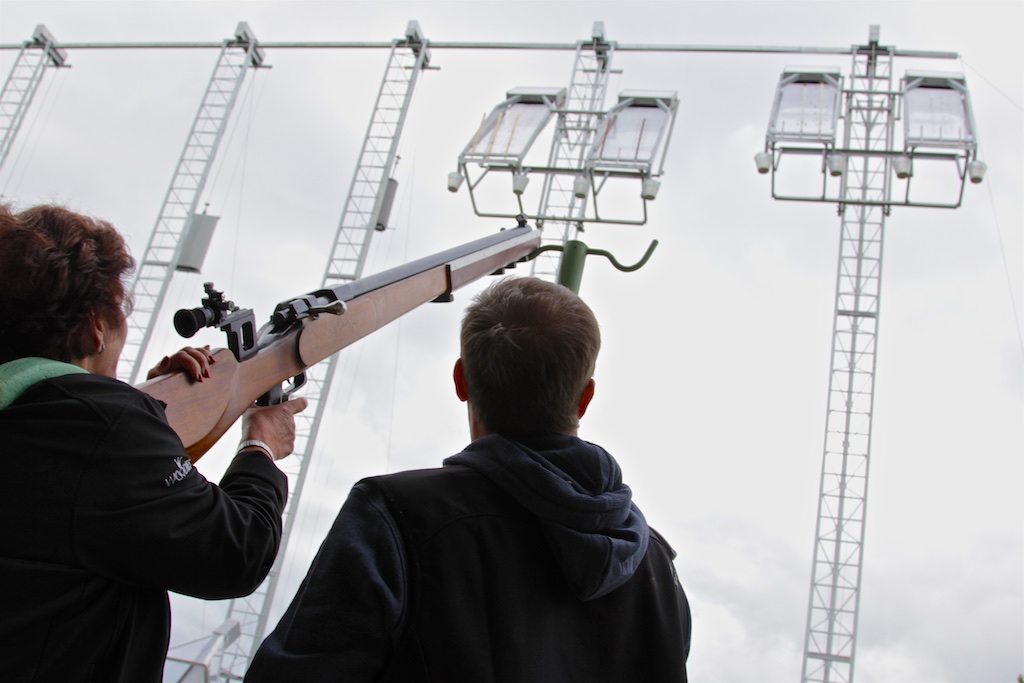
<point x="23" y="82"/>
<point x="352" y="241"/>
<point x="573" y="137"/>
<point x="830" y="644"/>
<point x="160" y="258"/>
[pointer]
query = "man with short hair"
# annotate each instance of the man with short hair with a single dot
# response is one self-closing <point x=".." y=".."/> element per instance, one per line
<point x="522" y="559"/>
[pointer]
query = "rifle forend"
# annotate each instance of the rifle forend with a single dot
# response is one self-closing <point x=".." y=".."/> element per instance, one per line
<point x="307" y="329"/>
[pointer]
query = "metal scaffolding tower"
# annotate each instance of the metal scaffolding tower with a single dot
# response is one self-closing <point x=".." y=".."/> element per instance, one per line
<point x="366" y="209"/>
<point x="830" y="644"/>
<point x="573" y="136"/>
<point x="162" y="254"/>
<point x="23" y="81"/>
<point x="858" y="175"/>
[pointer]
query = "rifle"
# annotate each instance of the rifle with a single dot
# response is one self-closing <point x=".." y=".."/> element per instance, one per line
<point x="267" y="365"/>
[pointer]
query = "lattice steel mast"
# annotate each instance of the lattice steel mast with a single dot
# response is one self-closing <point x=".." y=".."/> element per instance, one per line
<point x="23" y="82"/>
<point x="573" y="136"/>
<point x="156" y="268"/>
<point x="366" y="208"/>
<point x="938" y="132"/>
<point x="830" y="644"/>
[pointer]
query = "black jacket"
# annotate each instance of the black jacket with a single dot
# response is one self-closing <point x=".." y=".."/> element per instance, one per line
<point x="514" y="563"/>
<point x="102" y="515"/>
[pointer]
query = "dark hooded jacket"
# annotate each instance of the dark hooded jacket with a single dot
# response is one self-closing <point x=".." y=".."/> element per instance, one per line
<point x="518" y="561"/>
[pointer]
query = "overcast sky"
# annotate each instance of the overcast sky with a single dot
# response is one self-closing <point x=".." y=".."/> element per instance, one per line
<point x="711" y="387"/>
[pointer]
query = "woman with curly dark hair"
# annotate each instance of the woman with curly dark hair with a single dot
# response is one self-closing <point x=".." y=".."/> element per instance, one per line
<point x="105" y="513"/>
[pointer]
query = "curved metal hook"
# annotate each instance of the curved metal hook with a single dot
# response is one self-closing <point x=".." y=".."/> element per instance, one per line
<point x="626" y="269"/>
<point x="540" y="250"/>
<point x="570" y="272"/>
<point x="600" y="252"/>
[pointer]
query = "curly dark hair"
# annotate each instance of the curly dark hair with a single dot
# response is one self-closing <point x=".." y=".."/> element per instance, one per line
<point x="529" y="348"/>
<point x="59" y="272"/>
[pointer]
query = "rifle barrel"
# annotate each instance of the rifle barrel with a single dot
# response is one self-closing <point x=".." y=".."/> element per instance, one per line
<point x="201" y="413"/>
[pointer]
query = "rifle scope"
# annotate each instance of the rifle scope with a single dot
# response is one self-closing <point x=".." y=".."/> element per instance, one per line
<point x="215" y="311"/>
<point x="188" y="321"/>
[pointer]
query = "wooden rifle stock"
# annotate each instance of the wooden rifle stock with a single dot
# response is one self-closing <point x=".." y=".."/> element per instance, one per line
<point x="201" y="412"/>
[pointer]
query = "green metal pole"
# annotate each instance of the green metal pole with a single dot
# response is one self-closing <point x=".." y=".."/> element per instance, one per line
<point x="570" y="273"/>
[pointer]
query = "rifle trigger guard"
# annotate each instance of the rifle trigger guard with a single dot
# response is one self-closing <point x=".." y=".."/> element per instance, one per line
<point x="282" y="392"/>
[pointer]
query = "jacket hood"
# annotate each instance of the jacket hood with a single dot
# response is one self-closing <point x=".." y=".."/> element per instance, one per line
<point x="596" y="533"/>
